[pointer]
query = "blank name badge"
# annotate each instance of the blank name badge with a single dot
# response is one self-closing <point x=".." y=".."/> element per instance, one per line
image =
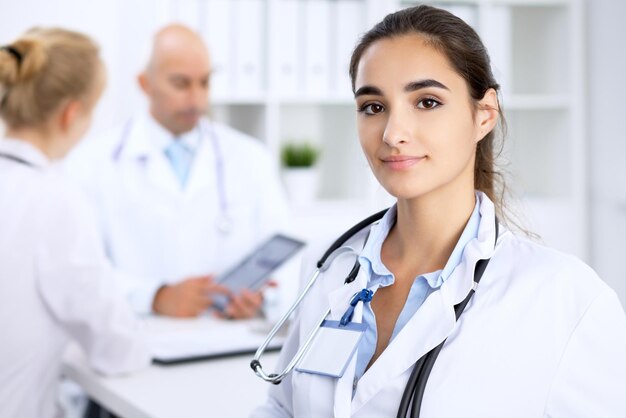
<point x="332" y="348"/>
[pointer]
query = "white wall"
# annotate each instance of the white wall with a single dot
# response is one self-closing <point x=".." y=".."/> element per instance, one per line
<point x="606" y="86"/>
<point x="121" y="28"/>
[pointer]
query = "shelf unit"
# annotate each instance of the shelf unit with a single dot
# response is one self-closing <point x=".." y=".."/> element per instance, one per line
<point x="281" y="75"/>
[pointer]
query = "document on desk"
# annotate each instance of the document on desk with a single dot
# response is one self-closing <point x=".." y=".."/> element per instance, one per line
<point x="174" y="341"/>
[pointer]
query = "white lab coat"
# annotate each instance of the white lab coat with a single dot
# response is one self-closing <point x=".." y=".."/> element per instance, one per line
<point x="55" y="285"/>
<point x="157" y="232"/>
<point x="542" y="337"/>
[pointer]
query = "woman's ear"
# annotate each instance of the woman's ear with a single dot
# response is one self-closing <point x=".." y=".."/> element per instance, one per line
<point x="487" y="114"/>
<point x="69" y="113"/>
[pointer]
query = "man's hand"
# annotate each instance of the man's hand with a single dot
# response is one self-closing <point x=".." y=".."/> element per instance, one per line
<point x="244" y="305"/>
<point x="191" y="297"/>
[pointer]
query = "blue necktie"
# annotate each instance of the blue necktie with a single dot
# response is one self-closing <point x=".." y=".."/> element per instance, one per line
<point x="180" y="157"/>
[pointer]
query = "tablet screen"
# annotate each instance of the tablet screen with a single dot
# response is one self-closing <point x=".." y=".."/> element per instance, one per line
<point x="254" y="270"/>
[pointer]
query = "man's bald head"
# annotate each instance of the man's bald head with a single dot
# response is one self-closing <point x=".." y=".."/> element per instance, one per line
<point x="176" y="78"/>
<point x="175" y="42"/>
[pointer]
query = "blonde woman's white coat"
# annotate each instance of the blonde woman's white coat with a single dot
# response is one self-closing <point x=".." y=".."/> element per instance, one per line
<point x="55" y="286"/>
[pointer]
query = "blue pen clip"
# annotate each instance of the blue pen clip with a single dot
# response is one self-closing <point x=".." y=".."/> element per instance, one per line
<point x="364" y="295"/>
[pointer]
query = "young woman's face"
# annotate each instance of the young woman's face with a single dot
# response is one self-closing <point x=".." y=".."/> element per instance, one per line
<point x="415" y="118"/>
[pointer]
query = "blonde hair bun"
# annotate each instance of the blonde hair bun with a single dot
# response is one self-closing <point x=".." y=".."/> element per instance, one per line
<point x="42" y="69"/>
<point x="21" y="60"/>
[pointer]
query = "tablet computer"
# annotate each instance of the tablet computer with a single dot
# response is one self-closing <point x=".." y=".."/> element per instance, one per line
<point x="254" y="270"/>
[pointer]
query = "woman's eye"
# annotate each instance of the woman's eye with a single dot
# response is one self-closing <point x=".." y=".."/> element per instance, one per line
<point x="372" y="109"/>
<point x="428" y="104"/>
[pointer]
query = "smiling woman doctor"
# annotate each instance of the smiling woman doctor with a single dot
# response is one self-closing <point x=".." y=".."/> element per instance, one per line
<point x="542" y="336"/>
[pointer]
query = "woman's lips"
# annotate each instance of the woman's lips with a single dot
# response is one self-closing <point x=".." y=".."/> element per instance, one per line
<point x="400" y="162"/>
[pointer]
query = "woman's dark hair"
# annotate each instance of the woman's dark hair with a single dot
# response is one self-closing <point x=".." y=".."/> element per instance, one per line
<point x="462" y="46"/>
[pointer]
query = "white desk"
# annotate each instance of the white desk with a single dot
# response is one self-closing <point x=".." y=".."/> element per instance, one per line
<point x="214" y="388"/>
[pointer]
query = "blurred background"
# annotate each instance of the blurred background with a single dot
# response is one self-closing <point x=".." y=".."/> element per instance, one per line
<point x="281" y="76"/>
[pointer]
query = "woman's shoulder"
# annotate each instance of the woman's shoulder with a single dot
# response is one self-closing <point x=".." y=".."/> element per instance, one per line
<point x="560" y="287"/>
<point x="63" y="199"/>
<point x="541" y="265"/>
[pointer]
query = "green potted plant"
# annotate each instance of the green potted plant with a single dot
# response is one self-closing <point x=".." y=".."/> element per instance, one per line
<point x="299" y="155"/>
<point x="299" y="172"/>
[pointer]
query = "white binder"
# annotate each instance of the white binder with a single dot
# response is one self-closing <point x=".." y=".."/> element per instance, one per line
<point x="219" y="38"/>
<point x="317" y="48"/>
<point x="349" y="26"/>
<point x="286" y="42"/>
<point x="249" y="47"/>
<point x="496" y="32"/>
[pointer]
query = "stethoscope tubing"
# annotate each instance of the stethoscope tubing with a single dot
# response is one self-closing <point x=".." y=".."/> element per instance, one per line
<point x="255" y="364"/>
<point x="323" y="264"/>
<point x="219" y="169"/>
<point x="349" y="234"/>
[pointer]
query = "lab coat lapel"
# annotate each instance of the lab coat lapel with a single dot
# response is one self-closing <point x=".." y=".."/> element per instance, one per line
<point x="435" y="320"/>
<point x="159" y="172"/>
<point x="146" y="156"/>
<point x="430" y="325"/>
<point x="202" y="175"/>
<point x="339" y="294"/>
<point x="339" y="301"/>
<point x="339" y="298"/>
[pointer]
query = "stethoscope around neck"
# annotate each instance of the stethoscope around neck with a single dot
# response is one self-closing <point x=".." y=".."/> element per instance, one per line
<point x="416" y="385"/>
<point x="224" y="222"/>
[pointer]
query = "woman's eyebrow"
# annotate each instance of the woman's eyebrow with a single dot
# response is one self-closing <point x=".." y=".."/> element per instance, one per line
<point x="422" y="84"/>
<point x="368" y="90"/>
<point x="410" y="87"/>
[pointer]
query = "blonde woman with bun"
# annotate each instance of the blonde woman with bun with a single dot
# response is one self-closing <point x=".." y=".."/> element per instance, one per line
<point x="55" y="283"/>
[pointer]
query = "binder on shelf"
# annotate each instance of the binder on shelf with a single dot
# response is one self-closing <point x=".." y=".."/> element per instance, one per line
<point x="349" y="24"/>
<point x="249" y="47"/>
<point x="219" y="39"/>
<point x="495" y="30"/>
<point x="285" y="20"/>
<point x="317" y="42"/>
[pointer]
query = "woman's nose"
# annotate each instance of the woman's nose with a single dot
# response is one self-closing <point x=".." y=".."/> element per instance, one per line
<point x="398" y="129"/>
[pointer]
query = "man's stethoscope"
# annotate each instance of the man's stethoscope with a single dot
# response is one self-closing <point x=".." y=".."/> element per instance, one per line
<point x="224" y="222"/>
<point x="416" y="385"/>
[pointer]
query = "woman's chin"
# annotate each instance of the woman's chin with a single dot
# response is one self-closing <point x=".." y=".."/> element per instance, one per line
<point x="404" y="192"/>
